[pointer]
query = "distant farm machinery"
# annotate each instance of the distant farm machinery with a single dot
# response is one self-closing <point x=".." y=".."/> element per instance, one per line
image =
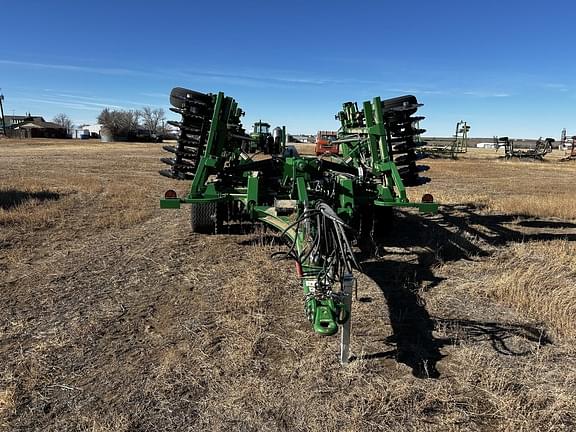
<point x="569" y="147"/>
<point x="324" y="143"/>
<point x="541" y="148"/>
<point x="458" y="145"/>
<point x="318" y="205"/>
<point x="262" y="140"/>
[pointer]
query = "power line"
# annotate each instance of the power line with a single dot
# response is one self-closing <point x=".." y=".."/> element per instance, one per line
<point x="2" y="112"/>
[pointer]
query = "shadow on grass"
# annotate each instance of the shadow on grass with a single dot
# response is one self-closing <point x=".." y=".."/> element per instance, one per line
<point x="498" y="334"/>
<point x="456" y="233"/>
<point x="417" y="348"/>
<point x="411" y="324"/>
<point x="462" y="232"/>
<point x="12" y="198"/>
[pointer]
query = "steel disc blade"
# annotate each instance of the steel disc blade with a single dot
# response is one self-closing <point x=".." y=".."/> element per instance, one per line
<point x="179" y="96"/>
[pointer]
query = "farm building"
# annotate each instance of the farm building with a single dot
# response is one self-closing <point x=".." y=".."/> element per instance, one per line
<point x="31" y="128"/>
<point x="86" y="131"/>
<point x="486" y="145"/>
<point x="15" y="120"/>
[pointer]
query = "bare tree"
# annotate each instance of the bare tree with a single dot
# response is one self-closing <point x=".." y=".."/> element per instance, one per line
<point x="153" y="120"/>
<point x="130" y="120"/>
<point x="119" y="122"/>
<point x="64" y="121"/>
<point x="109" y="120"/>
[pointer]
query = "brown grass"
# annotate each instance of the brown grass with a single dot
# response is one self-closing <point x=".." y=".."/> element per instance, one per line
<point x="7" y="405"/>
<point x="532" y="188"/>
<point x="537" y="279"/>
<point x="109" y="188"/>
<point x="116" y="318"/>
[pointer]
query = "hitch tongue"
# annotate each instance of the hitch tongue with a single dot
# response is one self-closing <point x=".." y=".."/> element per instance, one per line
<point x="324" y="320"/>
<point x="347" y="286"/>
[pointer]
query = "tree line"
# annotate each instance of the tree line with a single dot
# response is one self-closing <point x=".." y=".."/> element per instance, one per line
<point x="128" y="122"/>
<point x="124" y="122"/>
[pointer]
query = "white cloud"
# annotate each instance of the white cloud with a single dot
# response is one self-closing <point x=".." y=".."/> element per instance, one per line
<point x="76" y="68"/>
<point x="486" y="94"/>
<point x="557" y="86"/>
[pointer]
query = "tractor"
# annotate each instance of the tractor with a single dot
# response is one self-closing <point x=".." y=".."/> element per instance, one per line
<point x="262" y="140"/>
<point x="325" y="143"/>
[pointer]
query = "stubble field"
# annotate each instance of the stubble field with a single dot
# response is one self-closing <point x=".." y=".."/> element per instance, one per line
<point x="115" y="317"/>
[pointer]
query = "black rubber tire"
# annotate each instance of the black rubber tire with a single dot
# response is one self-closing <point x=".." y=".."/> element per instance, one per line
<point x="364" y="225"/>
<point x="383" y="221"/>
<point x="204" y="217"/>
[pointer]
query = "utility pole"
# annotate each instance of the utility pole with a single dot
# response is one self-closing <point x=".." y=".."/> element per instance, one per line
<point x="2" y="112"/>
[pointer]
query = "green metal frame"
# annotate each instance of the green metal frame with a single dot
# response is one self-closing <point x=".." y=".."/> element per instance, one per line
<point x="382" y="186"/>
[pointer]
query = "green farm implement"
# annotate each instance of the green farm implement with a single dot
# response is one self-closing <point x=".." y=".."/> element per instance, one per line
<point x="323" y="207"/>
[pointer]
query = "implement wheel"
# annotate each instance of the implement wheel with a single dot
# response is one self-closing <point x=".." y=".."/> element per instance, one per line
<point x="204" y="217"/>
<point x="383" y="222"/>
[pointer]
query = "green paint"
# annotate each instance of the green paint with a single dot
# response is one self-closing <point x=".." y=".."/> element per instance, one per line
<point x="253" y="187"/>
<point x="173" y="203"/>
<point x="365" y="177"/>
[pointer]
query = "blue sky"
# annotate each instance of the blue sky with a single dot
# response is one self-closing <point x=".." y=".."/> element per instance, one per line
<point x="507" y="67"/>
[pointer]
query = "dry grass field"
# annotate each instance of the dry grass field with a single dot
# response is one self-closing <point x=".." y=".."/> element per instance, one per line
<point x="114" y="317"/>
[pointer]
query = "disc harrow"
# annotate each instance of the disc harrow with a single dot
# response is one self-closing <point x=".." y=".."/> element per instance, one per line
<point x="196" y="110"/>
<point x="404" y="137"/>
<point x="322" y="206"/>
